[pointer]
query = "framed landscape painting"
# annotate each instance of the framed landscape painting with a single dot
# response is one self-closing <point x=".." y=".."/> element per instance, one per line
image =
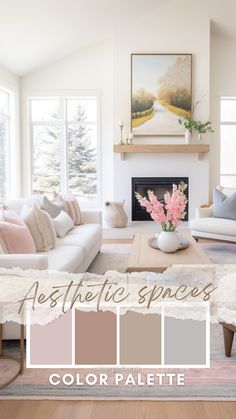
<point x="161" y="93"/>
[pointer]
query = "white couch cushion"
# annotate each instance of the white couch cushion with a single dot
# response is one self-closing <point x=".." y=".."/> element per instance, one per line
<point x="84" y="235"/>
<point x="31" y="261"/>
<point x="214" y="225"/>
<point x="65" y="258"/>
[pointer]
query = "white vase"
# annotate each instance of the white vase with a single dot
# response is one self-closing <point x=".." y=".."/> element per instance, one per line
<point x="199" y="137"/>
<point x="115" y="215"/>
<point x="187" y="136"/>
<point x="168" y="241"/>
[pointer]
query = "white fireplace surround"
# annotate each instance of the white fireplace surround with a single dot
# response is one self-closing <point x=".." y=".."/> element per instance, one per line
<point x="164" y="165"/>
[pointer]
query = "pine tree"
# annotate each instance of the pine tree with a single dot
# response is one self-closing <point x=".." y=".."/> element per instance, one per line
<point x="46" y="159"/>
<point x="81" y="156"/>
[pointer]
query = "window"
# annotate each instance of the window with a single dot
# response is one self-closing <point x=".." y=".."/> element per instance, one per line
<point x="228" y="142"/>
<point x="64" y="135"/>
<point x="5" y="132"/>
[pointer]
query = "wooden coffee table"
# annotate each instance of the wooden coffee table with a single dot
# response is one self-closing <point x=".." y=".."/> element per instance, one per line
<point x="145" y="258"/>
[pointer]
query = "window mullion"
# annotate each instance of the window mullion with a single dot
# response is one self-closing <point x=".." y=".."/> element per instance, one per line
<point x="63" y="173"/>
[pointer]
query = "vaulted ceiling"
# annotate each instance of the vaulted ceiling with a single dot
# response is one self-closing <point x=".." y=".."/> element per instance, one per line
<point x="35" y="33"/>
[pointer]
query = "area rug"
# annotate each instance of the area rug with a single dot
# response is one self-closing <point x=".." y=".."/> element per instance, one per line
<point x="115" y="256"/>
<point x="217" y="382"/>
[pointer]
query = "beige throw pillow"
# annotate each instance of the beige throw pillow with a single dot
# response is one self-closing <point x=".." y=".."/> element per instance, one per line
<point x="41" y="227"/>
<point x="71" y="206"/>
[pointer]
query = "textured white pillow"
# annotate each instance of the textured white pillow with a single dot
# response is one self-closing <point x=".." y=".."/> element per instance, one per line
<point x="41" y="228"/>
<point x="62" y="224"/>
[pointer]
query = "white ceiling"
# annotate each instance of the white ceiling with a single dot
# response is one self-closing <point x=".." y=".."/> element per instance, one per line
<point x="34" y="33"/>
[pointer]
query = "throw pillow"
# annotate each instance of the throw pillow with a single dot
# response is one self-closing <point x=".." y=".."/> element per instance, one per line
<point x="59" y="202"/>
<point x="226" y="190"/>
<point x="223" y="206"/>
<point x="51" y="208"/>
<point x="62" y="224"/>
<point x="41" y="227"/>
<point x="73" y="210"/>
<point x="14" y="234"/>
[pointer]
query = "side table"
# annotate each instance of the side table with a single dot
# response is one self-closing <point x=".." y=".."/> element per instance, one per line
<point x="228" y="330"/>
<point x="19" y="360"/>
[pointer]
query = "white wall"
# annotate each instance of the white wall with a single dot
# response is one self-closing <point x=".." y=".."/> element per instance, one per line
<point x="223" y="83"/>
<point x="11" y="82"/>
<point x="176" y="27"/>
<point x="89" y="69"/>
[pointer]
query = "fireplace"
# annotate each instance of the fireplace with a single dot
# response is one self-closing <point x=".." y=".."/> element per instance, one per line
<point x="159" y="185"/>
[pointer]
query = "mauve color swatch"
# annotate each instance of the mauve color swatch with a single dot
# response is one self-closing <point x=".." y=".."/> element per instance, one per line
<point x="95" y="338"/>
<point x="51" y="344"/>
<point x="185" y="342"/>
<point x="140" y="339"/>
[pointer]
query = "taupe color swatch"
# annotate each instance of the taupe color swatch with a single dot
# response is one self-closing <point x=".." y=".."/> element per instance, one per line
<point x="140" y="339"/>
<point x="95" y="338"/>
<point x="185" y="342"/>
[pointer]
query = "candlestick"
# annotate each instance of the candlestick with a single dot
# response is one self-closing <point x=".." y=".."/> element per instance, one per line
<point x="121" y="125"/>
<point x="131" y="137"/>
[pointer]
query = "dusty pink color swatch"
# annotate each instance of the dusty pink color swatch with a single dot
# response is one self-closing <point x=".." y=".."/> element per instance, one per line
<point x="52" y="344"/>
<point x="95" y="338"/>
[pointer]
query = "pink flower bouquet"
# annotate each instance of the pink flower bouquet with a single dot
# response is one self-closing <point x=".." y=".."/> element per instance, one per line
<point x="171" y="212"/>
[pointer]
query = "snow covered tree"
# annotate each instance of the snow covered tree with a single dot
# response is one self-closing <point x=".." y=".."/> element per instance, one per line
<point x="82" y="158"/>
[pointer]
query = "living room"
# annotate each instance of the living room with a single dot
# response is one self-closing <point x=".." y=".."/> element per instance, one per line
<point x="78" y="156"/>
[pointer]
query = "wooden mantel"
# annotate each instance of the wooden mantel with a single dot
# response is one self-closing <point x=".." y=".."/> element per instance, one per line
<point x="199" y="149"/>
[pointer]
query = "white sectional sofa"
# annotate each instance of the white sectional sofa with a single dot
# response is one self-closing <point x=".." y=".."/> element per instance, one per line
<point x="73" y="253"/>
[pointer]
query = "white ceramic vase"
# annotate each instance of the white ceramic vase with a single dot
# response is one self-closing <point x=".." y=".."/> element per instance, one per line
<point x="187" y="136"/>
<point x="168" y="241"/>
<point x="199" y="137"/>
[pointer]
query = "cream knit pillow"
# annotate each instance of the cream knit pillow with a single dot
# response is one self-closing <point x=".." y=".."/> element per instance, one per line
<point x="41" y="227"/>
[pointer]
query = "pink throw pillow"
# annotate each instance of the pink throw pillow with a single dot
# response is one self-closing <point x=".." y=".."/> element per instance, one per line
<point x="15" y="237"/>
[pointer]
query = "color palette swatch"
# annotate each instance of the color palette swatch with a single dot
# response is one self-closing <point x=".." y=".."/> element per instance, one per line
<point x="82" y="338"/>
<point x="95" y="337"/>
<point x="140" y="339"/>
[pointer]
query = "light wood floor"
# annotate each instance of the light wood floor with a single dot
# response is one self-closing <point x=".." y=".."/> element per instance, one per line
<point x="24" y="409"/>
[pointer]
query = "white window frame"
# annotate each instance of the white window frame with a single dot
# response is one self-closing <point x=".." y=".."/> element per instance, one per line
<point x="226" y="123"/>
<point x="10" y="117"/>
<point x="62" y="95"/>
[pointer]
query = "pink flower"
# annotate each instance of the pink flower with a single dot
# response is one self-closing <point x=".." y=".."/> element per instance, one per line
<point x="169" y="214"/>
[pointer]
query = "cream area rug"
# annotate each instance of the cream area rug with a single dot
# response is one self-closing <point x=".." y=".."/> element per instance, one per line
<point x="115" y="256"/>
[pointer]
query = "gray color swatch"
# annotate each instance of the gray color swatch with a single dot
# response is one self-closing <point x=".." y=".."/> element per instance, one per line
<point x="185" y="342"/>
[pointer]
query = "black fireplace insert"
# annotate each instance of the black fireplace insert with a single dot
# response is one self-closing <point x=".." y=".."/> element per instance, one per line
<point x="159" y="185"/>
